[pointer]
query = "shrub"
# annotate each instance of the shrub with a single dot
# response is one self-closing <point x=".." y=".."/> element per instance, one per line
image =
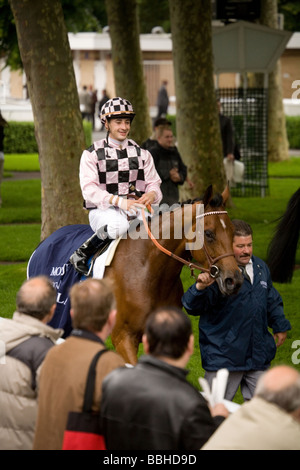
<point x="19" y="137"/>
<point x="293" y="131"/>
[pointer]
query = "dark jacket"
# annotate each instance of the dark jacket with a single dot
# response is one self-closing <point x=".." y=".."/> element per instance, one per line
<point x="165" y="160"/>
<point x="233" y="331"/>
<point x="152" y="407"/>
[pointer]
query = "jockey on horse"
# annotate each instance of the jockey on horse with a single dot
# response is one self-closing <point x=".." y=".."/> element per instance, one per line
<point x="112" y="170"/>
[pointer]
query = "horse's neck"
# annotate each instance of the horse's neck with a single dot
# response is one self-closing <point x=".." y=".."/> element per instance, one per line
<point x="173" y="229"/>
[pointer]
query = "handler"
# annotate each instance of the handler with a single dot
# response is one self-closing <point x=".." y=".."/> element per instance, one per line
<point x="109" y="170"/>
<point x="233" y="330"/>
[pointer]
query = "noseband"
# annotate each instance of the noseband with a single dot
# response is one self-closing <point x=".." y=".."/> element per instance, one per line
<point x="213" y="270"/>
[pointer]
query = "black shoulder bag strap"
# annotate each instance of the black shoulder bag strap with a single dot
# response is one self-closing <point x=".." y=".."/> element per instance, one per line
<point x="90" y="383"/>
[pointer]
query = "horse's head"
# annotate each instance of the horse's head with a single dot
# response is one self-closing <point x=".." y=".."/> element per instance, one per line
<point x="215" y="232"/>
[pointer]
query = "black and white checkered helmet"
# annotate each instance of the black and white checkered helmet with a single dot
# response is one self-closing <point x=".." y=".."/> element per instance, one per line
<point x="116" y="107"/>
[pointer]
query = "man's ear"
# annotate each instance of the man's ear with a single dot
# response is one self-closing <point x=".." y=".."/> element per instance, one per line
<point x="47" y="318"/>
<point x="112" y="318"/>
<point x="145" y="344"/>
<point x="191" y="344"/>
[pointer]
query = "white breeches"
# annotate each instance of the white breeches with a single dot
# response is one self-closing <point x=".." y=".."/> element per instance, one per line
<point x="116" y="221"/>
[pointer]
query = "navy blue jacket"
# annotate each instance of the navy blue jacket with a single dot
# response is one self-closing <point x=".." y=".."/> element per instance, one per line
<point x="233" y="330"/>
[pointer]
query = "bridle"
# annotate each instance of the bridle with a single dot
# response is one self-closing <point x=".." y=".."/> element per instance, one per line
<point x="213" y="269"/>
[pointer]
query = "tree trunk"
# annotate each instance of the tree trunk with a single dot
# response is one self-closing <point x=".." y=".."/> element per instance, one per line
<point x="127" y="63"/>
<point x="48" y="65"/>
<point x="278" y="147"/>
<point x="198" y="129"/>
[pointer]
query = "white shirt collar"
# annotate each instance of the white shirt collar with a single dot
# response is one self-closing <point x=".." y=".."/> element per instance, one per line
<point x="117" y="143"/>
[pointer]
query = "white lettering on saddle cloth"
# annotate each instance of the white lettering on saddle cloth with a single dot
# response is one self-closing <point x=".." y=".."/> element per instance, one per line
<point x="55" y="272"/>
<point x="58" y="270"/>
<point x="104" y="260"/>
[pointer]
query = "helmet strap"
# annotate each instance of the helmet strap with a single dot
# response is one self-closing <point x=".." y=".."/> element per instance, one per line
<point x="107" y="133"/>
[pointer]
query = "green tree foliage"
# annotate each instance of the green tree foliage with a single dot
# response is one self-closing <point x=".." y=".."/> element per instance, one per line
<point x="154" y="13"/>
<point x="291" y="12"/>
<point x="79" y="15"/>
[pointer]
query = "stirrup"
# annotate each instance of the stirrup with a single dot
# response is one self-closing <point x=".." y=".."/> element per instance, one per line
<point x="80" y="263"/>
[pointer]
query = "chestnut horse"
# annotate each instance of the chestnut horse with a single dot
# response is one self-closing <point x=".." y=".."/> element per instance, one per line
<point x="146" y="269"/>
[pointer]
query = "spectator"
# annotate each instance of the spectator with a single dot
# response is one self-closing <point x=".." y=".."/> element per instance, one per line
<point x="169" y="165"/>
<point x="270" y="421"/>
<point x="93" y="99"/>
<point x="233" y="167"/>
<point x="85" y="103"/>
<point x="24" y="341"/>
<point x="233" y="330"/>
<point x="65" y="368"/>
<point x="162" y="100"/>
<point x="103" y="100"/>
<point x="152" y="140"/>
<point x="152" y="406"/>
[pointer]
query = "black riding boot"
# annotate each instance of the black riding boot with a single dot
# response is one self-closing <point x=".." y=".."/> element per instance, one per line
<point x="80" y="257"/>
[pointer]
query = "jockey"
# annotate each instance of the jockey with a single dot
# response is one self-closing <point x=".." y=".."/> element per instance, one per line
<point x="111" y="170"/>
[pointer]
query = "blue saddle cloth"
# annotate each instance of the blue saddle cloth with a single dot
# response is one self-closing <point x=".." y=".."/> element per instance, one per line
<point x="51" y="258"/>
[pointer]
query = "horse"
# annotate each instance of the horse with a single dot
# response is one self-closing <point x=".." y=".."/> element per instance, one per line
<point x="146" y="269"/>
<point x="281" y="253"/>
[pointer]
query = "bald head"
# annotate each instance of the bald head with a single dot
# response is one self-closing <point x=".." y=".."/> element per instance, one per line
<point x="281" y="386"/>
<point x="168" y="331"/>
<point x="36" y="297"/>
<point x="280" y="377"/>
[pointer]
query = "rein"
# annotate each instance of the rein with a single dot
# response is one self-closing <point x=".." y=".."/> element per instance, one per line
<point x="213" y="269"/>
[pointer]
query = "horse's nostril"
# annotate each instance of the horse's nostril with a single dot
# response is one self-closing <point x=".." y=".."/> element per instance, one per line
<point x="229" y="282"/>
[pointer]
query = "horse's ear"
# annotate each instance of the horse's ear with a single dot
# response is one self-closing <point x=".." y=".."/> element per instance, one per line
<point x="226" y="194"/>
<point x="207" y="195"/>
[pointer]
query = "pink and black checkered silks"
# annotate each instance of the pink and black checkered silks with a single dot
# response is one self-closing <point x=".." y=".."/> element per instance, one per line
<point x="116" y="107"/>
<point x="118" y="169"/>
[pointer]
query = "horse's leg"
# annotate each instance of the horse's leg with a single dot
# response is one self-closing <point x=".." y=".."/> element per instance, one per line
<point x="126" y="345"/>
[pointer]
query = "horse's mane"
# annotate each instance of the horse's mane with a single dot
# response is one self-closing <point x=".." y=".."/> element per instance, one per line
<point x="215" y="201"/>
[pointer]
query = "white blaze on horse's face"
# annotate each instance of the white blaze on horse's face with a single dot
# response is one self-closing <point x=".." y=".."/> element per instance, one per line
<point x="223" y="224"/>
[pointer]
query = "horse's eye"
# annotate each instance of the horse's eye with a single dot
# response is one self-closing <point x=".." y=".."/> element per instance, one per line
<point x="209" y="235"/>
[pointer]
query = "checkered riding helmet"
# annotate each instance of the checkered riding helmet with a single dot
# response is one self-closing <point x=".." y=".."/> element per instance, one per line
<point x="116" y="107"/>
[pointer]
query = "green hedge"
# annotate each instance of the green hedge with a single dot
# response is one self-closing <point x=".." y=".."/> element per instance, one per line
<point x="19" y="137"/>
<point x="292" y="128"/>
<point x="293" y="131"/>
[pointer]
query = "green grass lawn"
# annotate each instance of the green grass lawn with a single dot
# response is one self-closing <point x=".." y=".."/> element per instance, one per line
<point x="288" y="168"/>
<point x="20" y="219"/>
<point x="21" y="162"/>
